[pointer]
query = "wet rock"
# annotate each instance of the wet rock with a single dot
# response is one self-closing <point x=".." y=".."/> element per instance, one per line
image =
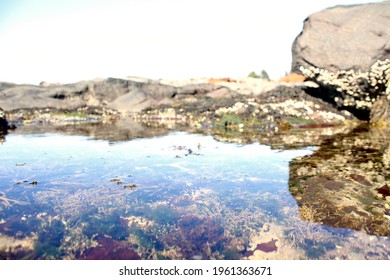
<point x="360" y="179"/>
<point x="53" y="116"/>
<point x="3" y="122"/>
<point x="279" y="118"/>
<point x="281" y="108"/>
<point x="384" y="191"/>
<point x="380" y="112"/>
<point x="133" y="94"/>
<point x="4" y="85"/>
<point x="342" y="184"/>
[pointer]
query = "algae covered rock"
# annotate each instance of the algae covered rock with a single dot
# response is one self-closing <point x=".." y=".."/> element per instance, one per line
<point x="345" y="183"/>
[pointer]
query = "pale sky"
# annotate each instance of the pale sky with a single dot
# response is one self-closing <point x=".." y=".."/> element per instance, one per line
<point x="73" y="40"/>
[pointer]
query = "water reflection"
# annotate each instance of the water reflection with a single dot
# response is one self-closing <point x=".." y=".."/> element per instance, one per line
<point x="177" y="196"/>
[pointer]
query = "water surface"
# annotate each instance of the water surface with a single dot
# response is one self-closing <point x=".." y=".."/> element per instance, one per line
<point x="178" y="196"/>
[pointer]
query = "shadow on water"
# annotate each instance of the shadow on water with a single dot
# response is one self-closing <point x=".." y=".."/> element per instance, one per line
<point x="129" y="191"/>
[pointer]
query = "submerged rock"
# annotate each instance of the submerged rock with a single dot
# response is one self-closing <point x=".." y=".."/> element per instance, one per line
<point x="345" y="182"/>
<point x="109" y="249"/>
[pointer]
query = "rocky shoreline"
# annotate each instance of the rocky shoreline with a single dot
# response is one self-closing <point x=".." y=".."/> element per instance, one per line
<point x="239" y="104"/>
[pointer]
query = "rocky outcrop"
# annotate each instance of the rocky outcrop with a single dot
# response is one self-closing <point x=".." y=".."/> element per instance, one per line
<point x="3" y="122"/>
<point x="355" y="91"/>
<point x="346" y="183"/>
<point x="124" y="95"/>
<point x="85" y="93"/>
<point x="346" y="50"/>
<point x="343" y="38"/>
<point x="151" y="99"/>
<point x="240" y="110"/>
<point x="380" y="112"/>
<point x="284" y="118"/>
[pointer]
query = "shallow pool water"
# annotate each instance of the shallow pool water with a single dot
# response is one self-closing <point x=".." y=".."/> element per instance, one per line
<point x="179" y="196"/>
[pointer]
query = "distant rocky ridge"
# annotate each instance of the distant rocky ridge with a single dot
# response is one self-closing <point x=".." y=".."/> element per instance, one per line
<point x="130" y="95"/>
<point x="125" y="95"/>
<point x="248" y="103"/>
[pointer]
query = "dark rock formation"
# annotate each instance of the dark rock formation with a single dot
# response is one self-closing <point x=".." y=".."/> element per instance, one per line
<point x="3" y="122"/>
<point x="343" y="38"/>
<point x="355" y="91"/>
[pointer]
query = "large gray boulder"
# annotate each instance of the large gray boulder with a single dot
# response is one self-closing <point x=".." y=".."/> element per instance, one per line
<point x="344" y="38"/>
<point x="346" y="51"/>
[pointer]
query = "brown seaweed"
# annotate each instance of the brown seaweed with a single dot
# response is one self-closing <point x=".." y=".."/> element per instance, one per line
<point x="109" y="249"/>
